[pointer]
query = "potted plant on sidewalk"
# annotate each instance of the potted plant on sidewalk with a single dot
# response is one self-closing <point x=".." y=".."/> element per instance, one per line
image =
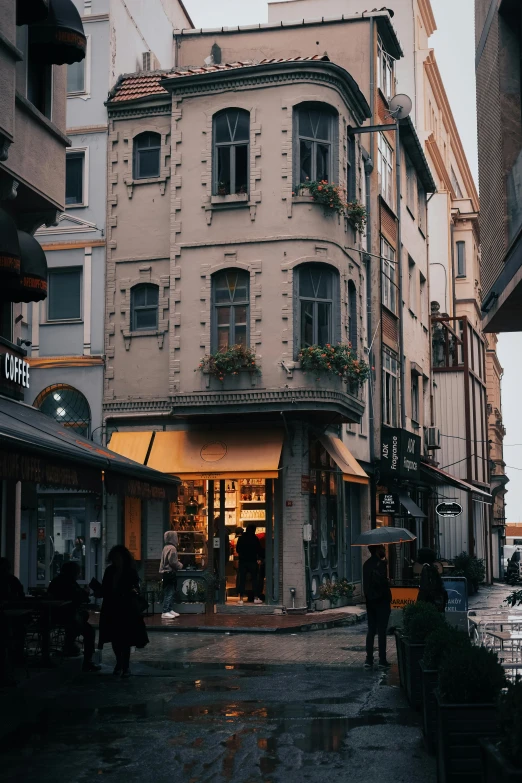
<point x="420" y="619"/>
<point x="502" y="761"/>
<point x="470" y="681"/>
<point x="472" y="568"/>
<point x="438" y="643"/>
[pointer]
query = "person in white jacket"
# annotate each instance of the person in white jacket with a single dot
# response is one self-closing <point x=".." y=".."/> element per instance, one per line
<point x="169" y="565"/>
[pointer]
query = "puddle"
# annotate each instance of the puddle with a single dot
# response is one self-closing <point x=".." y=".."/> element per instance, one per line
<point x="206" y="686"/>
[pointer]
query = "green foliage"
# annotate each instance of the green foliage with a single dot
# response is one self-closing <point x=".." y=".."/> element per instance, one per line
<point x="514" y="598"/>
<point x="338" y="360"/>
<point x="470" y="675"/>
<point x="230" y="361"/>
<point x="335" y="590"/>
<point x="333" y="199"/>
<point x="196" y="592"/>
<point x="470" y="567"/>
<point x="510" y="717"/>
<point x="419" y="620"/>
<point x="443" y="640"/>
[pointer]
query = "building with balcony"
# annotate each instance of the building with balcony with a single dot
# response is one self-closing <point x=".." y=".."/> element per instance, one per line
<point x="236" y="322"/>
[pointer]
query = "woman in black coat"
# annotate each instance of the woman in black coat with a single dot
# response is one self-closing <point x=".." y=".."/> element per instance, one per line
<point x="120" y="620"/>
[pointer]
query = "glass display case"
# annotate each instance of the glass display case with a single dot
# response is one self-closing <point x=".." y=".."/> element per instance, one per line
<point x="188" y="517"/>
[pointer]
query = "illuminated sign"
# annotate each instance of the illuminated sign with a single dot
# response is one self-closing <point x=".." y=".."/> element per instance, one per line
<point x="15" y="369"/>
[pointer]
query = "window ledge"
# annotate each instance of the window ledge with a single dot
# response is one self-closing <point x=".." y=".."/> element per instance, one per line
<point x="415" y="424"/>
<point x="389" y="310"/>
<point x="62" y="321"/>
<point x="230" y="199"/>
<point x="412" y="313"/>
<point x="422" y="232"/>
<point x="145" y="333"/>
<point x="131" y="183"/>
<point x="460" y="277"/>
<point x="410" y="212"/>
<point x="129" y="335"/>
<point x="76" y="206"/>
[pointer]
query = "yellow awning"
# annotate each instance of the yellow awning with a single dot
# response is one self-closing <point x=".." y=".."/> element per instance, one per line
<point x="344" y="459"/>
<point x="133" y="445"/>
<point x="224" y="454"/>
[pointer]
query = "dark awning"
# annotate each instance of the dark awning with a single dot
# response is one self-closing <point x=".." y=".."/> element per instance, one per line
<point x="411" y="507"/>
<point x="29" y="11"/>
<point x="31" y="286"/>
<point x="34" y="447"/>
<point x="60" y="38"/>
<point x="416" y="154"/>
<point x="438" y="476"/>
<point x="9" y="248"/>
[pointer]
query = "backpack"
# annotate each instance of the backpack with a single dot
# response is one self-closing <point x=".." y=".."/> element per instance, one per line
<point x="430" y="585"/>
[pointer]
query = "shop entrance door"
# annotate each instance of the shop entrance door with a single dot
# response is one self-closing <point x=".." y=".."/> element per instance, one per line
<point x="63" y="533"/>
<point x="325" y="500"/>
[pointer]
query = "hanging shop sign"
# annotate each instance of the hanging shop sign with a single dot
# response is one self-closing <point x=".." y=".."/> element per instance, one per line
<point x="14" y="375"/>
<point x="449" y="509"/>
<point x="400" y="454"/>
<point x="389" y="504"/>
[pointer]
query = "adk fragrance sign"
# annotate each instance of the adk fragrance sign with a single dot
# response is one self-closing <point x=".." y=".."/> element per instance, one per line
<point x="400" y="454"/>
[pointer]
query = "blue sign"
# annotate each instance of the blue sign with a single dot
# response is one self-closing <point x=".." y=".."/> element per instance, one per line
<point x="457" y="589"/>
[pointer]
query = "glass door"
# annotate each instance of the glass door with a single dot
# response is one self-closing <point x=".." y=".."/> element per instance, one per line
<point x="62" y="534"/>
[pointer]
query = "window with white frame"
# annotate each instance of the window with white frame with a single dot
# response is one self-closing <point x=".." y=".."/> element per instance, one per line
<point x="78" y="74"/>
<point x="75" y="178"/>
<point x="386" y="71"/>
<point x="390" y="388"/>
<point x="385" y="169"/>
<point x="64" y="302"/>
<point x="314" y="152"/>
<point x="422" y="298"/>
<point x="389" y="276"/>
<point x="421" y="207"/>
<point x="461" y="259"/>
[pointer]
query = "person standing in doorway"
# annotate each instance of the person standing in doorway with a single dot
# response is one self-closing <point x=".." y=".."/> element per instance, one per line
<point x="249" y="552"/>
<point x="169" y="565"/>
<point x="377" y="593"/>
<point x="121" y="622"/>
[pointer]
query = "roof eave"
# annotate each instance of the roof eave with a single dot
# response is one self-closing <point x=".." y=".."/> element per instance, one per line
<point x="388" y="35"/>
<point x="413" y="146"/>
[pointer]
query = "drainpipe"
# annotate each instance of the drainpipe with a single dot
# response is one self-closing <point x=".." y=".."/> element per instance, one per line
<point x="368" y="169"/>
<point x="399" y="262"/>
<point x="453" y="284"/>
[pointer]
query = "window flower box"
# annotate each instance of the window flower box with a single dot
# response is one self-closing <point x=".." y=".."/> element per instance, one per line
<point x="229" y="362"/>
<point x="336" y="360"/>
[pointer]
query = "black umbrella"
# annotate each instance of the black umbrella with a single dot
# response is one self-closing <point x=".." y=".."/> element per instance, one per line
<point x="384" y="535"/>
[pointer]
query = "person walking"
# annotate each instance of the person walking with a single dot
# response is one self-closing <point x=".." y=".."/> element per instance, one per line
<point x="75" y="616"/>
<point x="120" y="620"/>
<point x="249" y="552"/>
<point x="431" y="587"/>
<point x="169" y="565"/>
<point x="377" y="593"/>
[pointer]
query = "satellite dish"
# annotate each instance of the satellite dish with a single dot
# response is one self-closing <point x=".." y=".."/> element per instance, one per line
<point x="400" y="106"/>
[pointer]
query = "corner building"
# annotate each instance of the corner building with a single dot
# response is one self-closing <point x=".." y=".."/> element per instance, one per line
<point x="211" y="242"/>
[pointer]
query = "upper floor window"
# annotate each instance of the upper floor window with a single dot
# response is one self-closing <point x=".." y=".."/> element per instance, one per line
<point x="410" y="185"/>
<point x="389" y="276"/>
<point x="230" y="305"/>
<point x="231" y="152"/>
<point x="78" y="74"/>
<point x="316" y="298"/>
<point x="64" y="302"/>
<point x="455" y="183"/>
<point x="351" y="174"/>
<point x="461" y="259"/>
<point x="386" y="71"/>
<point x="147" y="155"/>
<point x="144" y="307"/>
<point x="390" y="388"/>
<point x="66" y="405"/>
<point x="421" y="205"/>
<point x="75" y="179"/>
<point x="385" y="168"/>
<point x="415" y="408"/>
<point x="352" y="314"/>
<point x="315" y="124"/>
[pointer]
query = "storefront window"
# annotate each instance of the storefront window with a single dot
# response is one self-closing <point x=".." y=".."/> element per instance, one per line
<point x="324" y="478"/>
<point x="188" y="517"/>
<point x="68" y="534"/>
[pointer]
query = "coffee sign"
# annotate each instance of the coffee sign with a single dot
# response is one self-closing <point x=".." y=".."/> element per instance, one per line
<point x="15" y="369"/>
<point x="400" y="454"/>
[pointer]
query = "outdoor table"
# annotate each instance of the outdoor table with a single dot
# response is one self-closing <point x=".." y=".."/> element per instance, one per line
<point x="45" y="608"/>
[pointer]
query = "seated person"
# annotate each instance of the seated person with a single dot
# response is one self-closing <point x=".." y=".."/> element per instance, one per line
<point x="10" y="587"/>
<point x="64" y="587"/>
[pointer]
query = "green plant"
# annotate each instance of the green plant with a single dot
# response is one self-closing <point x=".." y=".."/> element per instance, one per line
<point x="230" y="361"/>
<point x="441" y="641"/>
<point x="329" y="195"/>
<point x="338" y="360"/>
<point x="510" y="719"/>
<point x="356" y="214"/>
<point x="470" y="675"/>
<point x="419" y="620"/>
<point x="471" y="567"/>
<point x="334" y="590"/>
<point x="196" y="591"/>
<point x="514" y="598"/>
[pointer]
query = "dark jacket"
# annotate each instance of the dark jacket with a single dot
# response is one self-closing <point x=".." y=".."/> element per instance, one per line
<point x="120" y="619"/>
<point x="249" y="548"/>
<point x="375" y="581"/>
<point x="11" y="588"/>
<point x="63" y="589"/>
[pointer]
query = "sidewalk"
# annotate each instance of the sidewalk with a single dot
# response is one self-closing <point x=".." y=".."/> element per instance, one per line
<point x="254" y="623"/>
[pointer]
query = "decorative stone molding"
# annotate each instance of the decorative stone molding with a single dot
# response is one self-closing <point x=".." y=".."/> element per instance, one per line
<point x="128" y="158"/>
<point x="137" y="406"/>
<point x="126" y="286"/>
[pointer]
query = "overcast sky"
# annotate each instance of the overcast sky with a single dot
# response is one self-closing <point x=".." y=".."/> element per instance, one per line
<point x="454" y="44"/>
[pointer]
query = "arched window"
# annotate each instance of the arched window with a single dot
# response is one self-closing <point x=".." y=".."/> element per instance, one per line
<point x="317" y="287"/>
<point x="230" y="154"/>
<point x="352" y="314"/>
<point x="144" y="307"/>
<point x="230" y="306"/>
<point x="314" y="151"/>
<point x="67" y="405"/>
<point x="147" y="153"/>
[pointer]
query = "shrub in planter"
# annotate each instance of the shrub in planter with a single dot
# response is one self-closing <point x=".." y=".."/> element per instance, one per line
<point x="419" y="620"/>
<point x="470" y="681"/>
<point x="440" y="642"/>
<point x="339" y="360"/>
<point x="471" y="567"/>
<point x="230" y="361"/>
<point x="503" y="761"/>
<point x="333" y="591"/>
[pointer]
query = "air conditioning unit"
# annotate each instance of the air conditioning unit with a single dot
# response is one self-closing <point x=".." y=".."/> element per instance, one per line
<point x="432" y="437"/>
<point x="149" y="61"/>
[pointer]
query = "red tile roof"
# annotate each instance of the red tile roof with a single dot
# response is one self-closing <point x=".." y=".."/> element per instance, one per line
<point x="142" y="85"/>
